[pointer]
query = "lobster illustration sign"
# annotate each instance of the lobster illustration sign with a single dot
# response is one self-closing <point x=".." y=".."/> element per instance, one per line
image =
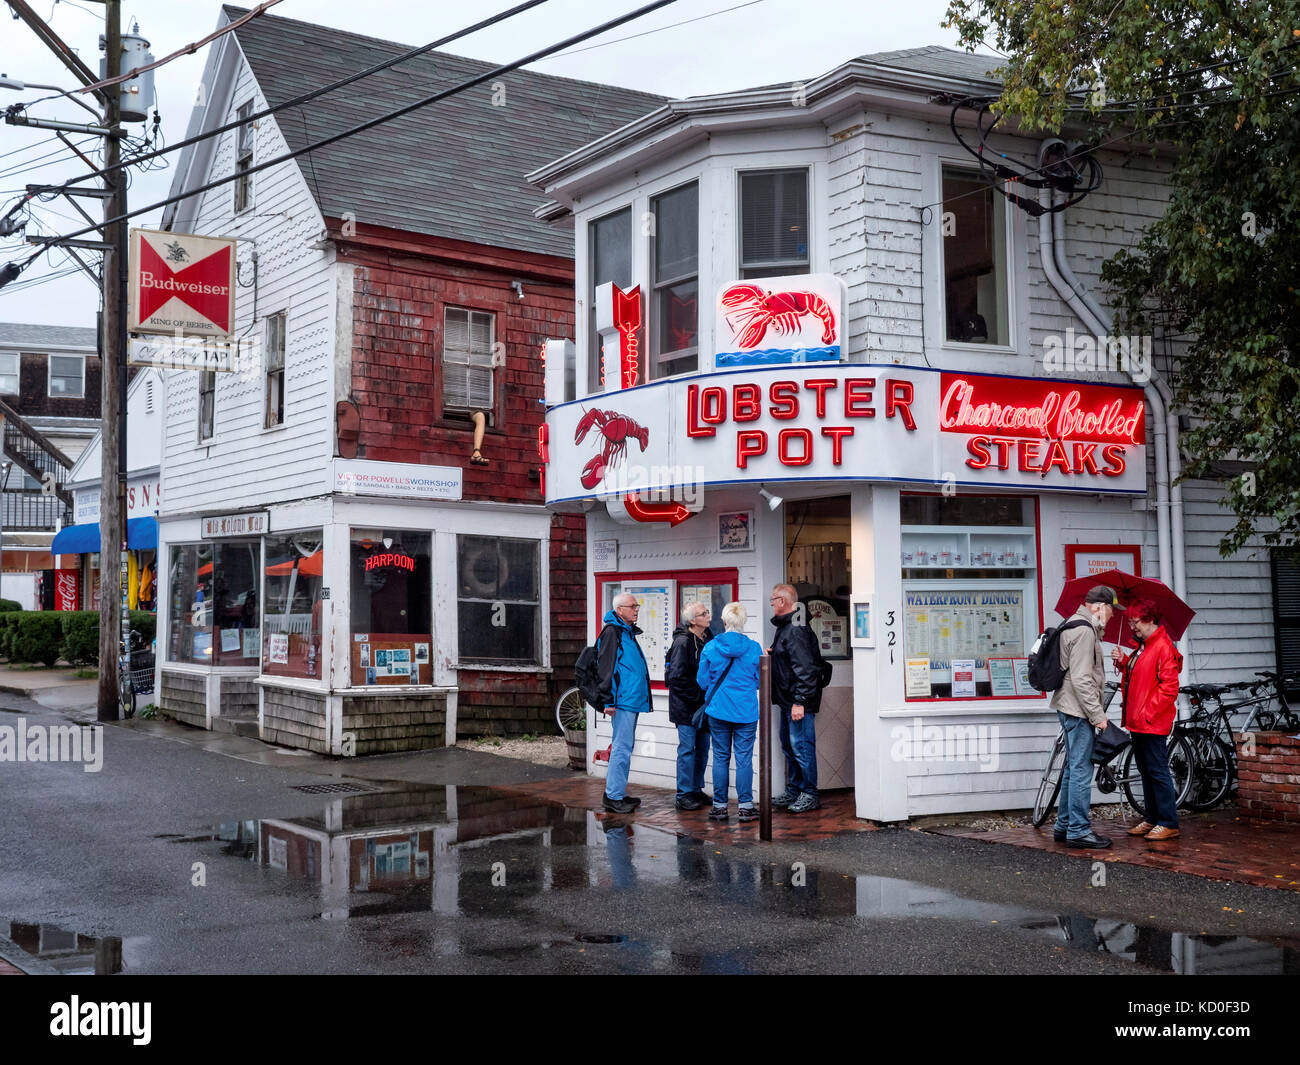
<point x="615" y="431"/>
<point x="779" y="320"/>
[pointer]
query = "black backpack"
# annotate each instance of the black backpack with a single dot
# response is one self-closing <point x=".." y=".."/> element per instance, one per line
<point x="586" y="673"/>
<point x="1046" y="673"/>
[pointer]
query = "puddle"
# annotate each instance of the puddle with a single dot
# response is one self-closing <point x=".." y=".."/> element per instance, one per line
<point x="482" y="854"/>
<point x="55" y="950"/>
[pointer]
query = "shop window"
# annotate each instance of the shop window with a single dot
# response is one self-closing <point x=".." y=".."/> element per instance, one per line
<point x="974" y="261"/>
<point x="392" y="604"/>
<point x="774" y="223"/>
<point x="675" y="292"/>
<point x="609" y="251"/>
<point x="467" y="361"/>
<point x="499" y="604"/>
<point x="970" y="595"/>
<point x="1286" y="609"/>
<point x="818" y="564"/>
<point x="276" y="325"/>
<point x="9" y="374"/>
<point x="293" y="579"/>
<point x="243" y="158"/>
<point x="213" y="616"/>
<point x="663" y="595"/>
<point x="207" y="403"/>
<point x="67" y="376"/>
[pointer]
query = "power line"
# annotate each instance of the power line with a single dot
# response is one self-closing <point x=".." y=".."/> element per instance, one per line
<point x="456" y="89"/>
<point x="658" y="29"/>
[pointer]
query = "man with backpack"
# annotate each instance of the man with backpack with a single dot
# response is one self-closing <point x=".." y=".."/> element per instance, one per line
<point x="624" y="694"/>
<point x="1078" y="705"/>
<point x="796" y="690"/>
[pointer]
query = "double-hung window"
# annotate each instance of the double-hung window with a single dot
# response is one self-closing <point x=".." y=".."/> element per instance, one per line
<point x="974" y="260"/>
<point x="67" y="376"/>
<point x="243" y="157"/>
<point x="467" y="361"/>
<point x="774" y="223"/>
<point x="675" y="293"/>
<point x="275" y="343"/>
<point x="609" y="251"/>
<point x="9" y="373"/>
<point x="207" y="403"/>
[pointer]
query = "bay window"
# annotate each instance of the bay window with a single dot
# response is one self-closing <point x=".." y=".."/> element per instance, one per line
<point x="609" y="252"/>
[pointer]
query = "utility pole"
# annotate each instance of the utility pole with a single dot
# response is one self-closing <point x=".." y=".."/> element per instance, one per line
<point x="114" y="620"/>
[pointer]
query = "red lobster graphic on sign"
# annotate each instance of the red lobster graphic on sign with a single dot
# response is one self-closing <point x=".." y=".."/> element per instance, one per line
<point x="759" y="310"/>
<point x="615" y="428"/>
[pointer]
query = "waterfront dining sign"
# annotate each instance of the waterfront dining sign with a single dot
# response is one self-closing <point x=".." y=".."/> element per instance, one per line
<point x="850" y="422"/>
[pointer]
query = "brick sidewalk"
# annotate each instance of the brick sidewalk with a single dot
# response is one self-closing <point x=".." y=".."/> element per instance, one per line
<point x="658" y="811"/>
<point x="1221" y="845"/>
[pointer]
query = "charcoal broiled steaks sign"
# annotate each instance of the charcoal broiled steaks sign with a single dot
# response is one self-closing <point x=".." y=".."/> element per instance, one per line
<point x="181" y="283"/>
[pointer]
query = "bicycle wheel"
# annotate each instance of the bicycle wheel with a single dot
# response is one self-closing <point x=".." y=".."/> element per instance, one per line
<point x="1181" y="770"/>
<point x="1211" y="769"/>
<point x="1050" y="785"/>
<point x="571" y="710"/>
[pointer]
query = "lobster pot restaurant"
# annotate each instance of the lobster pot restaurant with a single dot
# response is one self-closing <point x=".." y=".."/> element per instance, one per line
<point x="922" y="514"/>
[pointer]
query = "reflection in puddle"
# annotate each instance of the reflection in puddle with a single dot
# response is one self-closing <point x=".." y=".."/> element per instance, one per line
<point x="473" y="852"/>
<point x="57" y="950"/>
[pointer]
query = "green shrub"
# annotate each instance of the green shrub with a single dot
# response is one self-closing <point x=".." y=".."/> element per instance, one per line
<point x="38" y="637"/>
<point x="8" y="626"/>
<point x="81" y="637"/>
<point x="10" y="604"/>
<point x="146" y="624"/>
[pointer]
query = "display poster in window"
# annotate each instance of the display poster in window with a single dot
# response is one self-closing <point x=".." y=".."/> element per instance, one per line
<point x="656" y="620"/>
<point x="1002" y="676"/>
<point x="1021" y="670"/>
<point x="392" y="658"/>
<point x="278" y="649"/>
<point x="829" y="630"/>
<point x="917" y="675"/>
<point x="230" y="640"/>
<point x="963" y="678"/>
<point x="421" y="654"/>
<point x="964" y="624"/>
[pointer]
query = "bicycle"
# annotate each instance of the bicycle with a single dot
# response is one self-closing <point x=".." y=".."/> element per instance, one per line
<point x="1109" y="779"/>
<point x="138" y="676"/>
<point x="571" y="710"/>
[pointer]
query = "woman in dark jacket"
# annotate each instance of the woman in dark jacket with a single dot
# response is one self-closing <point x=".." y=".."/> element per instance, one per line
<point x="1150" y="706"/>
<point x="684" y="698"/>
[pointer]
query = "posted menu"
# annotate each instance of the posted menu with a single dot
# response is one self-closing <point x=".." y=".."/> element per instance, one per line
<point x="964" y="624"/>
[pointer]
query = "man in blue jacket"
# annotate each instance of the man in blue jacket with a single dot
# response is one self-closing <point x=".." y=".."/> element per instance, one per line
<point x="624" y="692"/>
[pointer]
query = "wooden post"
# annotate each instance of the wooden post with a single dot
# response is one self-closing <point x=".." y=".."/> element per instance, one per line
<point x="765" y="748"/>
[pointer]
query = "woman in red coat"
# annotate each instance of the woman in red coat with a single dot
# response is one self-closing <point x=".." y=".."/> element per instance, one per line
<point x="1150" y="706"/>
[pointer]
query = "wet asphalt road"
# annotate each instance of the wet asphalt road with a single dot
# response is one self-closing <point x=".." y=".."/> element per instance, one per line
<point x="436" y="871"/>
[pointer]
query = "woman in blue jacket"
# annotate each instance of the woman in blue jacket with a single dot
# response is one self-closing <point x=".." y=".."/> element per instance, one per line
<point x="732" y="709"/>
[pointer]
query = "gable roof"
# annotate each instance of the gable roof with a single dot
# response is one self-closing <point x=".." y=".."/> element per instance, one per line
<point x="453" y="169"/>
<point x="26" y="335"/>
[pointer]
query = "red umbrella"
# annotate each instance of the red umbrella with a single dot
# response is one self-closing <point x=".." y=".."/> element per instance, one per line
<point x="1175" y="614"/>
<point x="309" y="566"/>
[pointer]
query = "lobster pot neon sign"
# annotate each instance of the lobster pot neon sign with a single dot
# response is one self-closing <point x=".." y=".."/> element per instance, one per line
<point x="775" y="320"/>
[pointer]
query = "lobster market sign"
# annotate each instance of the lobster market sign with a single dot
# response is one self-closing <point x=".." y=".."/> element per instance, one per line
<point x="849" y="422"/>
<point x="779" y="320"/>
<point x="181" y="284"/>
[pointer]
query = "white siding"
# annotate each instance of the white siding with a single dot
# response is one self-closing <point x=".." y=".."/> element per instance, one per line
<point x="245" y="465"/>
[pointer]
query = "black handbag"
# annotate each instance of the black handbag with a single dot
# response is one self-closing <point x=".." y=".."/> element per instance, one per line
<point x="697" y="718"/>
<point x="1109" y="743"/>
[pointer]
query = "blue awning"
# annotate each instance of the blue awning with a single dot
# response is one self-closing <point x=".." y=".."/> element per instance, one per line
<point x="141" y="535"/>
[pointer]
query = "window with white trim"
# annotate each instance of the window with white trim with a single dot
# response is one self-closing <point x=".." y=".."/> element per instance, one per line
<point x="609" y="253"/>
<point x="9" y="363"/>
<point x="467" y="369"/>
<point x="276" y="325"/>
<point x="976" y="308"/>
<point x="243" y="158"/>
<point x="675" y="292"/>
<point x="774" y="223"/>
<point x="67" y="376"/>
<point x="499" y="609"/>
<point x="207" y="403"/>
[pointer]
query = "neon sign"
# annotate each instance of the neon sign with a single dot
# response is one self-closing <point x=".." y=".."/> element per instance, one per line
<point x="394" y="559"/>
<point x="627" y="319"/>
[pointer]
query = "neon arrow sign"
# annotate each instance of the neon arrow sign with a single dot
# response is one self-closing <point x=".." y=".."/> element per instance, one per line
<point x="673" y="513"/>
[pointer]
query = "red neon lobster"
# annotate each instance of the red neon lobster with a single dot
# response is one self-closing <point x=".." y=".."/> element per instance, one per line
<point x="781" y="311"/>
<point x="615" y="428"/>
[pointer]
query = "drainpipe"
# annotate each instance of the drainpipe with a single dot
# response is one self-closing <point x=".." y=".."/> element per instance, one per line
<point x="1170" y="535"/>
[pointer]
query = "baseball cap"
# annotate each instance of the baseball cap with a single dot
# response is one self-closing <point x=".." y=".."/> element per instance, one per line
<point x="1103" y="593"/>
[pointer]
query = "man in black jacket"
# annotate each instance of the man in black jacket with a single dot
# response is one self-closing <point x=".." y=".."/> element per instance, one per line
<point x="796" y="670"/>
<point x="684" y="698"/>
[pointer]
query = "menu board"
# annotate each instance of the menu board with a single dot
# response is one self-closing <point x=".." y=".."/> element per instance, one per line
<point x="656" y="620"/>
<point x="963" y="624"/>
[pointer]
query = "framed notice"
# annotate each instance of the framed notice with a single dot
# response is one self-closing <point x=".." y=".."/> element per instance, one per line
<point x="862" y="632"/>
<point x="917" y="672"/>
<point x="1002" y="676"/>
<point x="736" y="531"/>
<point x="963" y="678"/>
<point x="1086" y="560"/>
<point x="1020" y="668"/>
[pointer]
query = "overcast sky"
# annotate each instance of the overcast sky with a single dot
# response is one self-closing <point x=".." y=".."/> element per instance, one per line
<point x="761" y="42"/>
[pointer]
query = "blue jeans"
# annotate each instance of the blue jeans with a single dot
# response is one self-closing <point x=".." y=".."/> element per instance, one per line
<point x="1152" y="759"/>
<point x="692" y="757"/>
<point x="799" y="742"/>
<point x="725" y="734"/>
<point x="620" y="756"/>
<point x="1075" y="802"/>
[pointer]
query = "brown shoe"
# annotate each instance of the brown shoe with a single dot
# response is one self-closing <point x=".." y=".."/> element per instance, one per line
<point x="1160" y="833"/>
<point x="1141" y="829"/>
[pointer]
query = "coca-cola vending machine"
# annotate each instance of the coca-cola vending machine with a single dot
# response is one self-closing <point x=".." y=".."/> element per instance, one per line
<point x="67" y="589"/>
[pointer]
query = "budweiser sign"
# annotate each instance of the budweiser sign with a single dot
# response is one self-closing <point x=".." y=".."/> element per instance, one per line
<point x="181" y="284"/>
